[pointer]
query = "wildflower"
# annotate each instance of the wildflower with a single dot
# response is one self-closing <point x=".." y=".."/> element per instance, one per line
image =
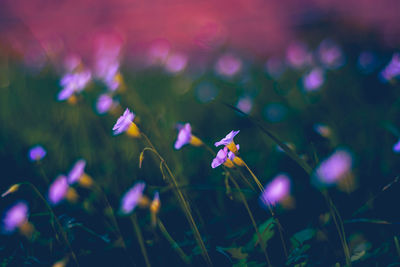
<point x="185" y="137"/>
<point x="125" y="124"/>
<point x="228" y="141"/>
<point x="36" y="153"/>
<point x="297" y="55"/>
<point x="58" y="190"/>
<point x="334" y="168"/>
<point x="277" y="190"/>
<point x="73" y="83"/>
<point x="176" y="63"/>
<point x="396" y="147"/>
<point x="132" y="198"/>
<point x="155" y="208"/>
<point x="15" y="217"/>
<point x="104" y="103"/>
<point x="392" y="70"/>
<point x="313" y="80"/>
<point x="77" y="171"/>
<point x="330" y="54"/>
<point x="221" y="158"/>
<point x="228" y="65"/>
<point x="245" y="104"/>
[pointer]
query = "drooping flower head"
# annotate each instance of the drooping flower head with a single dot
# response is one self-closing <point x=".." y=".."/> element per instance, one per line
<point x="58" y="190"/>
<point x="132" y="198"/>
<point x="277" y="190"/>
<point x="334" y="168"/>
<point x="36" y="153"/>
<point x="77" y="171"/>
<point x="14" y="217"/>
<point x="124" y="122"/>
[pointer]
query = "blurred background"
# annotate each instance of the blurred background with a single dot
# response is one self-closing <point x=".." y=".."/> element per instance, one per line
<point x="320" y="75"/>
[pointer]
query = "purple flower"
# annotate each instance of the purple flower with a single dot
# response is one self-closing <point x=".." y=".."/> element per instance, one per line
<point x="228" y="65"/>
<point x="396" y="147"/>
<point x="245" y="104"/>
<point x="58" y="189"/>
<point x="220" y="158"/>
<point x="334" y="168"/>
<point x="275" y="67"/>
<point x="184" y="136"/>
<point x="123" y="122"/>
<point x="104" y="103"/>
<point x="313" y="80"/>
<point x="73" y="83"/>
<point x="297" y="55"/>
<point x="77" y="171"/>
<point x="232" y="155"/>
<point x="15" y="217"/>
<point x="131" y="198"/>
<point x="330" y="54"/>
<point x="176" y="62"/>
<point x="36" y="153"/>
<point x="227" y="139"/>
<point x="276" y="190"/>
<point x="392" y="70"/>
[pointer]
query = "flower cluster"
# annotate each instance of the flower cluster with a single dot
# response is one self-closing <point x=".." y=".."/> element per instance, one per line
<point x="228" y="154"/>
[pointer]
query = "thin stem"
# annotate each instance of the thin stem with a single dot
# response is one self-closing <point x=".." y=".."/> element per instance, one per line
<point x="182" y="201"/>
<point x="97" y="188"/>
<point x="140" y="238"/>
<point x="252" y="220"/>
<point x="254" y="177"/>
<point x="64" y="235"/>
<point x="339" y="226"/>
<point x="174" y="245"/>
<point x="280" y="228"/>
<point x="46" y="179"/>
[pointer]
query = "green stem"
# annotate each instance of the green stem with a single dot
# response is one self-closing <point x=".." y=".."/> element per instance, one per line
<point x="174" y="245"/>
<point x="140" y="238"/>
<point x="63" y="233"/>
<point x="183" y="202"/>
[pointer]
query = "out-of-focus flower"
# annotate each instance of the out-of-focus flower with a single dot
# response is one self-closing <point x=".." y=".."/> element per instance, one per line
<point x="392" y="70"/>
<point x="277" y="190"/>
<point x="275" y="67"/>
<point x="105" y="103"/>
<point x="330" y="54"/>
<point x="58" y="190"/>
<point x="77" y="171"/>
<point x="367" y="61"/>
<point x="185" y="137"/>
<point x="228" y="65"/>
<point x="125" y="124"/>
<point x="73" y="83"/>
<point x="36" y="153"/>
<point x="396" y="147"/>
<point x="323" y="129"/>
<point x="245" y="104"/>
<point x="72" y="62"/>
<point x="313" y="80"/>
<point x="334" y="168"/>
<point x="176" y="62"/>
<point x="158" y="52"/>
<point x="15" y="217"/>
<point x="297" y="55"/>
<point x="132" y="198"/>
